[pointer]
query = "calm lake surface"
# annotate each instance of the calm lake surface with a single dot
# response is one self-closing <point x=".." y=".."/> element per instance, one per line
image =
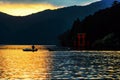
<point x="15" y="64"/>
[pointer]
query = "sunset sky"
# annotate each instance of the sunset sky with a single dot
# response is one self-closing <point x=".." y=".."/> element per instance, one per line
<point x="27" y="7"/>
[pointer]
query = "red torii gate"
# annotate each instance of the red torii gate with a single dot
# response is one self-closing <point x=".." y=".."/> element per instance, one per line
<point x="81" y="42"/>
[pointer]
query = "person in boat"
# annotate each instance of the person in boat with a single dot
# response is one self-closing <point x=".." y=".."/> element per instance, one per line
<point x="30" y="49"/>
<point x="33" y="47"/>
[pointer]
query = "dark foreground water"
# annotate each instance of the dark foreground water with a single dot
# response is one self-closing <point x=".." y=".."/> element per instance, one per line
<point x="16" y="64"/>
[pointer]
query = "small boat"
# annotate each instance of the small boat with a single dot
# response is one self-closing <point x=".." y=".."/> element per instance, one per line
<point x="30" y="49"/>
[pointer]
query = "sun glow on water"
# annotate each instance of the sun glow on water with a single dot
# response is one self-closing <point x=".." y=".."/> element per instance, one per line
<point x="17" y="64"/>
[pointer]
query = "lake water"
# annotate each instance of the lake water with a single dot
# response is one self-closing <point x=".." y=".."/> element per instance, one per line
<point x="15" y="64"/>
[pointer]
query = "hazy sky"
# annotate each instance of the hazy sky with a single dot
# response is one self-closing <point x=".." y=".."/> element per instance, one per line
<point x="26" y="7"/>
<point x="53" y="2"/>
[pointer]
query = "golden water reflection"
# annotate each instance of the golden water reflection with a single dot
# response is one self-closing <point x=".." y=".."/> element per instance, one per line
<point x="16" y="64"/>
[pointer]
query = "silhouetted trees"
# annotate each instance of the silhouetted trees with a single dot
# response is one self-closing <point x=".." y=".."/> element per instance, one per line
<point x="102" y="29"/>
<point x="68" y="38"/>
<point x="115" y="3"/>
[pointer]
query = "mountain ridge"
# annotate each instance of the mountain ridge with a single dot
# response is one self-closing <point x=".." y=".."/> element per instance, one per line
<point x="43" y="27"/>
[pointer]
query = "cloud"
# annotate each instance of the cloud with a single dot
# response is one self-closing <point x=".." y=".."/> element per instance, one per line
<point x="24" y="9"/>
<point x="53" y="2"/>
<point x="27" y="7"/>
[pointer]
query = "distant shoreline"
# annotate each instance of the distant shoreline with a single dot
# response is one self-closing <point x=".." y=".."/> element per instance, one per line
<point x="53" y="48"/>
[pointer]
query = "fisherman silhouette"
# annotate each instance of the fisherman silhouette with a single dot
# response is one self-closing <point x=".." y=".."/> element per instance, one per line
<point x="33" y="47"/>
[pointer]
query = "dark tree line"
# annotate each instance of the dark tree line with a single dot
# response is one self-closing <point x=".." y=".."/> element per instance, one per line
<point x="102" y="29"/>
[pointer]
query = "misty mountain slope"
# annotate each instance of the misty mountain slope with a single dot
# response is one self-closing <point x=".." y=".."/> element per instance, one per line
<point x="44" y="27"/>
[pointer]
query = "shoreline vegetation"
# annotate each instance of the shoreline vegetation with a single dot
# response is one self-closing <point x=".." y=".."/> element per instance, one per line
<point x="99" y="31"/>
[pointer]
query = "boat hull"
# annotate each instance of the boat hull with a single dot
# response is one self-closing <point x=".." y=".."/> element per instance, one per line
<point x="33" y="50"/>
